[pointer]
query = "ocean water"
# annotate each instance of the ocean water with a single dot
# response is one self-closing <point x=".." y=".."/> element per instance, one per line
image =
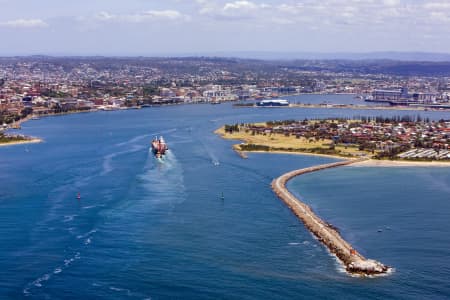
<point x="146" y="229"/>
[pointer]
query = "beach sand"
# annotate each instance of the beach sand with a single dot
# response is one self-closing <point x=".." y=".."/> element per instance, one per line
<point x="30" y="141"/>
<point x="398" y="163"/>
<point x="368" y="162"/>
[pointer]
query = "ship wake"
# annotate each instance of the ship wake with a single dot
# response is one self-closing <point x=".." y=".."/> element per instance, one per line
<point x="163" y="179"/>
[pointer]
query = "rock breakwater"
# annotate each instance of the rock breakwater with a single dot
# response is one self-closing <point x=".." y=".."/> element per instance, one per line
<point x="353" y="261"/>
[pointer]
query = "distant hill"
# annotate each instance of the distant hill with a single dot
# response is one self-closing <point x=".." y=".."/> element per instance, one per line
<point x="275" y="67"/>
<point x="284" y="55"/>
<point x="398" y="56"/>
<point x="372" y="66"/>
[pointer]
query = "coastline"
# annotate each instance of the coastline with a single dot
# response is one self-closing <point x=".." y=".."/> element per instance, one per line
<point x="353" y="107"/>
<point x="401" y="163"/>
<point x="367" y="162"/>
<point x="29" y="141"/>
<point x="243" y="153"/>
<point x="303" y="154"/>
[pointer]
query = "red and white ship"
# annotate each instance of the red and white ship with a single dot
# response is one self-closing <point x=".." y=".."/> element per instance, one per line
<point x="159" y="147"/>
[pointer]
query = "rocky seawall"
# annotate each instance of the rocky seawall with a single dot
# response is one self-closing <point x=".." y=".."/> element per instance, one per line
<point x="353" y="261"/>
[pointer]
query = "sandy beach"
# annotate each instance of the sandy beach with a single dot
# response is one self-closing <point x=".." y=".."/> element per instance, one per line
<point x="30" y="141"/>
<point x="369" y="162"/>
<point x="301" y="153"/>
<point x="401" y="163"/>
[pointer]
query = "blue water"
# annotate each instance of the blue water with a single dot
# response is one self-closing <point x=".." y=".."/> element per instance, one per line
<point x="335" y="99"/>
<point x="145" y="229"/>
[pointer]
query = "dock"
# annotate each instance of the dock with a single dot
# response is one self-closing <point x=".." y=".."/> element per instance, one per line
<point x="354" y="262"/>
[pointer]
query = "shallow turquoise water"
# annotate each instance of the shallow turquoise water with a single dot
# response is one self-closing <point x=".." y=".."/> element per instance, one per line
<point x="145" y="229"/>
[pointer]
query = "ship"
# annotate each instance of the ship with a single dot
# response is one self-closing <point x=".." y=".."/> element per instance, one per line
<point x="273" y="102"/>
<point x="159" y="147"/>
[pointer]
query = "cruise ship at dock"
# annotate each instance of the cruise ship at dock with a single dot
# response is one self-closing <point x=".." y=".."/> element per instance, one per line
<point x="273" y="102"/>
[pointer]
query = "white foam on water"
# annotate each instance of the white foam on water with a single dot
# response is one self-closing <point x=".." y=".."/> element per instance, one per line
<point x="87" y="234"/>
<point x="127" y="292"/>
<point x="134" y="140"/>
<point x="108" y="159"/>
<point x="340" y="267"/>
<point x="89" y="206"/>
<point x="69" y="218"/>
<point x="120" y="290"/>
<point x="143" y="136"/>
<point x="293" y="244"/>
<point x="107" y="165"/>
<point x="214" y="160"/>
<point x="40" y="281"/>
<point x="69" y="261"/>
<point x="163" y="180"/>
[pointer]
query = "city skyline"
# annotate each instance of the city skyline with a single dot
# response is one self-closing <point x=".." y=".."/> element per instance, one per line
<point x="172" y="27"/>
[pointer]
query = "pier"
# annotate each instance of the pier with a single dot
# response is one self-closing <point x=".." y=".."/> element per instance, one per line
<point x="353" y="261"/>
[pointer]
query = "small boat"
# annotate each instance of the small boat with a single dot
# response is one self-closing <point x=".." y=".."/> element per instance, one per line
<point x="78" y="196"/>
<point x="159" y="147"/>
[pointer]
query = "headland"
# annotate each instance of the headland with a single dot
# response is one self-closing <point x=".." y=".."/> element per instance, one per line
<point x="395" y="139"/>
<point x="11" y="140"/>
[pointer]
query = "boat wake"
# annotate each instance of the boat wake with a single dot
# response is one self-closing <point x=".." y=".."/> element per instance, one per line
<point x="108" y="159"/>
<point x="138" y="138"/>
<point x="162" y="179"/>
<point x="212" y="156"/>
<point x="86" y="239"/>
<point x="41" y="280"/>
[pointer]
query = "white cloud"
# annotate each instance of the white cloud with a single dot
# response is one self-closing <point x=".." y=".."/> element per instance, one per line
<point x="105" y="16"/>
<point x="391" y="2"/>
<point x="24" y="23"/>
<point x="241" y="9"/>
<point x="437" y="5"/>
<point x="240" y="5"/>
<point x="164" y="14"/>
<point x="146" y="16"/>
<point x="440" y="16"/>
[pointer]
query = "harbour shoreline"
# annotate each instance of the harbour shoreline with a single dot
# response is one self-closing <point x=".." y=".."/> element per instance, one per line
<point x="366" y="162"/>
<point x="351" y="106"/>
<point x="401" y="163"/>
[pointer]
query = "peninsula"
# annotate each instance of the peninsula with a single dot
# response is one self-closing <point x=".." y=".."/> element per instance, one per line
<point x="9" y="140"/>
<point x="405" y="138"/>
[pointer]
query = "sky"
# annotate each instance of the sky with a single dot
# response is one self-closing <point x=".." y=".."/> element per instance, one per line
<point x="170" y="27"/>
